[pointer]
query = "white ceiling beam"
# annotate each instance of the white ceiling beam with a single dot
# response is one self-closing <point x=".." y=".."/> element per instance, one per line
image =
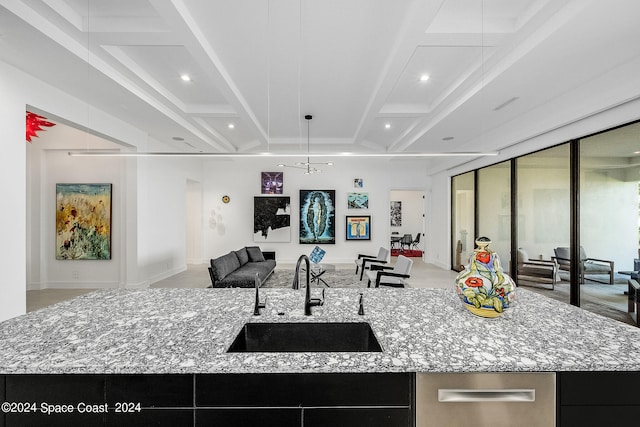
<point x="417" y="19"/>
<point x="177" y="14"/>
<point x="541" y="27"/>
<point x="78" y="48"/>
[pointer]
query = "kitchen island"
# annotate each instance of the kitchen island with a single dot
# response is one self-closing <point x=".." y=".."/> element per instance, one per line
<point x="164" y="334"/>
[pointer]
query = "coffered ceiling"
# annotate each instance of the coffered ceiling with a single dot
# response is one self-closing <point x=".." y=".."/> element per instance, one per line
<point x="500" y="71"/>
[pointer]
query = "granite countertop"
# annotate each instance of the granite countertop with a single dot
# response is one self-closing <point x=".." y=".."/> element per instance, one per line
<point x="420" y="330"/>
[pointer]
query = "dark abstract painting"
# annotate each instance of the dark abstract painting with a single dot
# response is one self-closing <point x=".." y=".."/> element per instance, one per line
<point x="317" y="216"/>
<point x="272" y="219"/>
<point x="396" y="213"/>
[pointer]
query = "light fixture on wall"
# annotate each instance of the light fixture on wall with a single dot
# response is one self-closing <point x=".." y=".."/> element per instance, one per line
<point x="308" y="166"/>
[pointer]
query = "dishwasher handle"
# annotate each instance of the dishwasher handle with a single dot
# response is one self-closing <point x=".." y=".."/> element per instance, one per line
<point x="486" y="395"/>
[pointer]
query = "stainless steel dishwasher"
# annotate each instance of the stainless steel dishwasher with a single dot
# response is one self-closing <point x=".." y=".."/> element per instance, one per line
<point x="486" y="399"/>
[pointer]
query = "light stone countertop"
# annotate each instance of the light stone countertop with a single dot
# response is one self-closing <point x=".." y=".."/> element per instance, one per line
<point x="420" y="330"/>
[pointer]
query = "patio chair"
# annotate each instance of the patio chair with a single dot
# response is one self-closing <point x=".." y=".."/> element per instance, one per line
<point x="532" y="271"/>
<point x="587" y="266"/>
<point x="365" y="261"/>
<point x="394" y="276"/>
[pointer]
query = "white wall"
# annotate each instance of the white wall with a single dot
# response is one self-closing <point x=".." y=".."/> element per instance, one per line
<point x="240" y="179"/>
<point x="149" y="206"/>
<point x="13" y="213"/>
<point x="49" y="164"/>
<point x="21" y="258"/>
<point x="161" y="216"/>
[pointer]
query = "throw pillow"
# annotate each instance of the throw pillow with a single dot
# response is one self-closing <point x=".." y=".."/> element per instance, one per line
<point x="255" y="254"/>
<point x="243" y="256"/>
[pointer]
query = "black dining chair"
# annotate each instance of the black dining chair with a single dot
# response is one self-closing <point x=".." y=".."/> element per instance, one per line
<point x="406" y="241"/>
<point x="416" y="242"/>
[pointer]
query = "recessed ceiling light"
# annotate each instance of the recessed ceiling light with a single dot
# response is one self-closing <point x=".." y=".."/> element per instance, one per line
<point x="185" y="78"/>
<point x="447" y="138"/>
<point x="424" y="77"/>
<point x="636" y="152"/>
<point x="231" y="126"/>
<point x="387" y="125"/>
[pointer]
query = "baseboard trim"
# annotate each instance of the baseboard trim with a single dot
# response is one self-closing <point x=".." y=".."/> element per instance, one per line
<point x="74" y="285"/>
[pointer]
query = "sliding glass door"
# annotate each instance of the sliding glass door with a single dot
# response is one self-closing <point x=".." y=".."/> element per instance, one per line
<point x="494" y="209"/>
<point x="462" y="219"/>
<point x="543" y="212"/>
<point x="609" y="215"/>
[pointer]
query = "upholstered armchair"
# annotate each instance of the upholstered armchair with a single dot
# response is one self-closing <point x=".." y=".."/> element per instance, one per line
<point x="394" y="276"/>
<point x="531" y="271"/>
<point x="365" y="261"/>
<point x="587" y="266"/>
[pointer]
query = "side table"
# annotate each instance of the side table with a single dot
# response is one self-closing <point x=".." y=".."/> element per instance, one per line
<point x="317" y="270"/>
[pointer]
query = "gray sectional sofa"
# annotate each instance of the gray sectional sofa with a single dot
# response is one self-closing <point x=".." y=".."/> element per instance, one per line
<point x="239" y="268"/>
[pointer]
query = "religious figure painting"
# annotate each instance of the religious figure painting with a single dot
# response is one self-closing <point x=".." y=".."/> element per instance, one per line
<point x="83" y="221"/>
<point x="317" y="217"/>
<point x="272" y="219"/>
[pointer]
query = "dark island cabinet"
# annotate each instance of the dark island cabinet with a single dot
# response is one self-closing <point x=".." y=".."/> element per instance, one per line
<point x="376" y="399"/>
<point x="380" y="399"/>
<point x="598" y="399"/>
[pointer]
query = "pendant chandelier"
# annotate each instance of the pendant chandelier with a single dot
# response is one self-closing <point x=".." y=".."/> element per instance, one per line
<point x="308" y="166"/>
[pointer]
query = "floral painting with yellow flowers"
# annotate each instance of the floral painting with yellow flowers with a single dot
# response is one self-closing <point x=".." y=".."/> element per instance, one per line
<point x="83" y="221"/>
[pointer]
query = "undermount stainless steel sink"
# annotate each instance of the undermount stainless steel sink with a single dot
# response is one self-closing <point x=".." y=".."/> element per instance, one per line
<point x="305" y="337"/>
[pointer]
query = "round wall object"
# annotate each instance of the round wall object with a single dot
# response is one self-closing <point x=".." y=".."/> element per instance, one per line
<point x="226" y="199"/>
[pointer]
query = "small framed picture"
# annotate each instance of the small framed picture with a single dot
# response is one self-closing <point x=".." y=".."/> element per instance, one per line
<point x="358" y="200"/>
<point x="358" y="183"/>
<point x="271" y="182"/>
<point x="358" y="227"/>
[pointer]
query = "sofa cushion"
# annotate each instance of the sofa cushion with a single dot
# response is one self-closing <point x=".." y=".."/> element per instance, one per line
<point x="255" y="254"/>
<point x="224" y="265"/>
<point x="243" y="256"/>
<point x="245" y="276"/>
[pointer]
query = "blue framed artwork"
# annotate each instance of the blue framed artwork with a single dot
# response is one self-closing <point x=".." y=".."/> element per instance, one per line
<point x="358" y="227"/>
<point x="358" y="200"/>
<point x="317" y="254"/>
<point x="317" y="217"/>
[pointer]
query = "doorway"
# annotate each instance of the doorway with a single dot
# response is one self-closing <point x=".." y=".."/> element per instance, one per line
<point x="407" y="218"/>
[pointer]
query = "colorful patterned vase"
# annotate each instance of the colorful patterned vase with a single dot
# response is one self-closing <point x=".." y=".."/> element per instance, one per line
<point x="483" y="286"/>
